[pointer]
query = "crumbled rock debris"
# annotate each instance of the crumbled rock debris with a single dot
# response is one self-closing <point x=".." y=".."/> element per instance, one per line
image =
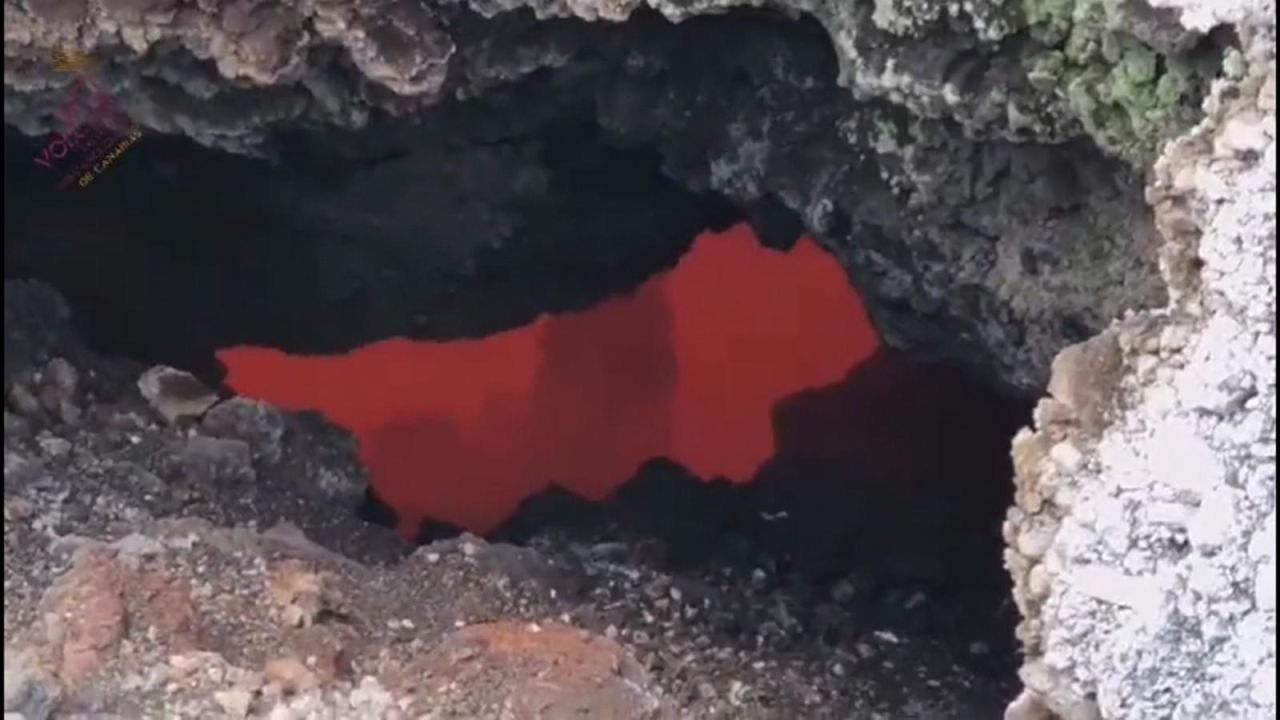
<point x="216" y="569"/>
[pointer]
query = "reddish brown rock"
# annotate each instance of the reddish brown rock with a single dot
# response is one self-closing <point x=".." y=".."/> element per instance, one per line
<point x="290" y="675"/>
<point x="83" y="616"/>
<point x="541" y="671"/>
<point x="164" y="604"/>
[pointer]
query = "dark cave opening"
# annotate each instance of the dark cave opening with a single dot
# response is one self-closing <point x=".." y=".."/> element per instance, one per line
<point x="895" y="471"/>
<point x="474" y="217"/>
<point x="177" y="217"/>
<point x="689" y="365"/>
<point x="924" y="519"/>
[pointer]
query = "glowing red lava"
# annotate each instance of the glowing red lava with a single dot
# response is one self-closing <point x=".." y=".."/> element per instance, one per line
<point x="689" y="366"/>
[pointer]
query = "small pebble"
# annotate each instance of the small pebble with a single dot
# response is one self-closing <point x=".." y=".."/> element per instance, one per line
<point x="55" y="446"/>
<point x="886" y="636"/>
<point x="843" y="591"/>
<point x="234" y="702"/>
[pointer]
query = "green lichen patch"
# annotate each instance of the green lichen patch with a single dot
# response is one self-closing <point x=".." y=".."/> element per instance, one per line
<point x="1129" y="95"/>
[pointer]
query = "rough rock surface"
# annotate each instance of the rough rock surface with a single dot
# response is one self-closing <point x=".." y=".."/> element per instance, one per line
<point x="214" y="567"/>
<point x="947" y="153"/>
<point x="1143" y="544"/>
<point x="935" y="59"/>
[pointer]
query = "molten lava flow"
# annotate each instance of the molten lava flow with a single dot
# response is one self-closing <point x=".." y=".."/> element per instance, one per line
<point x="689" y="366"/>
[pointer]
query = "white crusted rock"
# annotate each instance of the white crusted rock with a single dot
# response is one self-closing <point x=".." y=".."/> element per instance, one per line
<point x="1157" y="596"/>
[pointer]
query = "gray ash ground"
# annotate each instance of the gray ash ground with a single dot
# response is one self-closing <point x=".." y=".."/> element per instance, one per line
<point x="671" y="569"/>
<point x="215" y="567"/>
